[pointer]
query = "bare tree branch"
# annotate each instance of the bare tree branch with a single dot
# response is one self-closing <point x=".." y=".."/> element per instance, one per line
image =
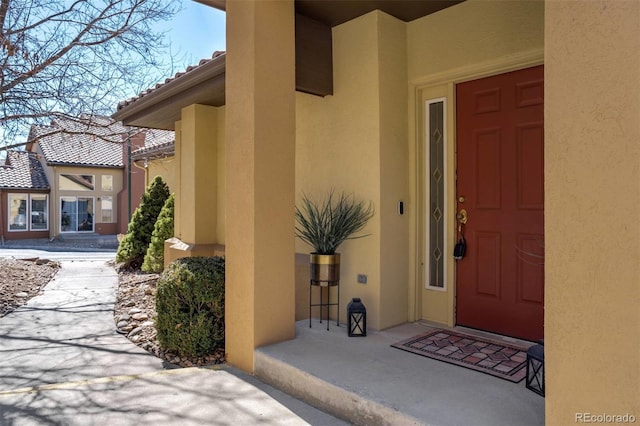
<point x="76" y="58"/>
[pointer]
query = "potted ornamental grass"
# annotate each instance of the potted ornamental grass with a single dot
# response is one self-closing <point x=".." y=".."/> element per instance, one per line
<point x="326" y="224"/>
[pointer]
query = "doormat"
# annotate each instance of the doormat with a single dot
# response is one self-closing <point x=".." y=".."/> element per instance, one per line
<point x="506" y="361"/>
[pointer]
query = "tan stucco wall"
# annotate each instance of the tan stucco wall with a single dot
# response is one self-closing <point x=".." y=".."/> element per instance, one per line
<point x="221" y="176"/>
<point x="394" y="179"/>
<point x="339" y="143"/>
<point x="165" y="168"/>
<point x="470" y="40"/>
<point x="472" y="32"/>
<point x="592" y="190"/>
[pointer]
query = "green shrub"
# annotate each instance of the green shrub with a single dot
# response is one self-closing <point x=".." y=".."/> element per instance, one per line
<point x="134" y="245"/>
<point x="163" y="230"/>
<point x="190" y="306"/>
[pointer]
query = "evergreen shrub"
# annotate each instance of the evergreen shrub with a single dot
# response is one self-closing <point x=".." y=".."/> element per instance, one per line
<point x="190" y="306"/>
<point x="163" y="230"/>
<point x="134" y="245"/>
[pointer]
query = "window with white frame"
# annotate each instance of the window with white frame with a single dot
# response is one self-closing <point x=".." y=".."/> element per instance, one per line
<point x="107" y="183"/>
<point x="106" y="207"/>
<point x="76" y="214"/>
<point x="39" y="212"/>
<point x="18" y="212"/>
<point x="28" y="212"/>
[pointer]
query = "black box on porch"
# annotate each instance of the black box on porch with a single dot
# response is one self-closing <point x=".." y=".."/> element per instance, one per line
<point x="356" y="318"/>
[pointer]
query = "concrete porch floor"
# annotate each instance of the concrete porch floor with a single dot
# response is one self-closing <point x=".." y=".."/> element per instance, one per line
<point x="365" y="381"/>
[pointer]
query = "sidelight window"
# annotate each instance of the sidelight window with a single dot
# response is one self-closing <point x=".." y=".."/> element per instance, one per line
<point x="435" y="246"/>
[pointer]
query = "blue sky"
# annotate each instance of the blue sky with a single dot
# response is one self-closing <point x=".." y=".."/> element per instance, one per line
<point x="195" y="32"/>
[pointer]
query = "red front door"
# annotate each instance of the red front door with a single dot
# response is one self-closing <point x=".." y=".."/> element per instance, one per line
<point x="500" y="177"/>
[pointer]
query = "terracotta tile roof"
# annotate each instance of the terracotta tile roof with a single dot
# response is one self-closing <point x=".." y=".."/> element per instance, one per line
<point x="22" y="170"/>
<point x="178" y="75"/>
<point x="87" y="142"/>
<point x="156" y="142"/>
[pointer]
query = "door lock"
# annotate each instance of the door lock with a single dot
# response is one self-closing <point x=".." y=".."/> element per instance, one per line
<point x="462" y="217"/>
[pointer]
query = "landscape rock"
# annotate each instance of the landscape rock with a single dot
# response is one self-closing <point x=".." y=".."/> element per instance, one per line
<point x="135" y="304"/>
<point x="135" y="332"/>
<point x="20" y="277"/>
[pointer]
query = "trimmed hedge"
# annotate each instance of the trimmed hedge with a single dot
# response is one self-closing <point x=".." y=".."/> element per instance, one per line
<point x="163" y="230"/>
<point x="133" y="246"/>
<point x="190" y="306"/>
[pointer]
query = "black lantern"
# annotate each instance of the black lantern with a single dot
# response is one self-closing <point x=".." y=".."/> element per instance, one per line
<point x="356" y="318"/>
<point x="535" y="369"/>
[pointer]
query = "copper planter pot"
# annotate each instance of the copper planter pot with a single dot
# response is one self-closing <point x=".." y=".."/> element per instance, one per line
<point x="324" y="269"/>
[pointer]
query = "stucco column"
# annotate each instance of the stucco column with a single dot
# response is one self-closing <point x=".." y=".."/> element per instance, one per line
<point x="198" y="178"/>
<point x="177" y="219"/>
<point x="592" y="199"/>
<point x="260" y="150"/>
<point x="196" y="203"/>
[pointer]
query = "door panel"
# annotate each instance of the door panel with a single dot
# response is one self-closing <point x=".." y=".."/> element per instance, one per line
<point x="500" y="177"/>
<point x="530" y="167"/>
<point x="487" y="172"/>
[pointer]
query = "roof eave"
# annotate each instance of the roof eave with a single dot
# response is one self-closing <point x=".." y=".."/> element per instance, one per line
<point x="101" y="166"/>
<point x="24" y="188"/>
<point x="154" y="155"/>
<point x="202" y="73"/>
<point x="218" y="4"/>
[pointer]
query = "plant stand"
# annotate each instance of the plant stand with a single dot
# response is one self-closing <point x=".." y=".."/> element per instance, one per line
<point x="328" y="285"/>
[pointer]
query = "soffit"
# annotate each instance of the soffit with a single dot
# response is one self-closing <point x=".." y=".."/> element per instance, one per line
<point x="335" y="12"/>
<point x="160" y="107"/>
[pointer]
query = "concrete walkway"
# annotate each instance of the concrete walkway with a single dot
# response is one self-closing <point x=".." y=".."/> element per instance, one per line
<point x="62" y="363"/>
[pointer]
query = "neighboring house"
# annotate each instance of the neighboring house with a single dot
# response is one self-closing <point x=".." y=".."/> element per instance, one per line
<point x="75" y="178"/>
<point x="94" y="189"/>
<point x="524" y="114"/>
<point x="24" y="197"/>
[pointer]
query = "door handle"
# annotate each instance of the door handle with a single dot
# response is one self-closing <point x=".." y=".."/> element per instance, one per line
<point x="462" y="217"/>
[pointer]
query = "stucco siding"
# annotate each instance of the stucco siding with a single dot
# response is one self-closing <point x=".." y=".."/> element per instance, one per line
<point x="394" y="164"/>
<point x="473" y="32"/>
<point x="164" y="167"/>
<point x="592" y="191"/>
<point x="338" y="147"/>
